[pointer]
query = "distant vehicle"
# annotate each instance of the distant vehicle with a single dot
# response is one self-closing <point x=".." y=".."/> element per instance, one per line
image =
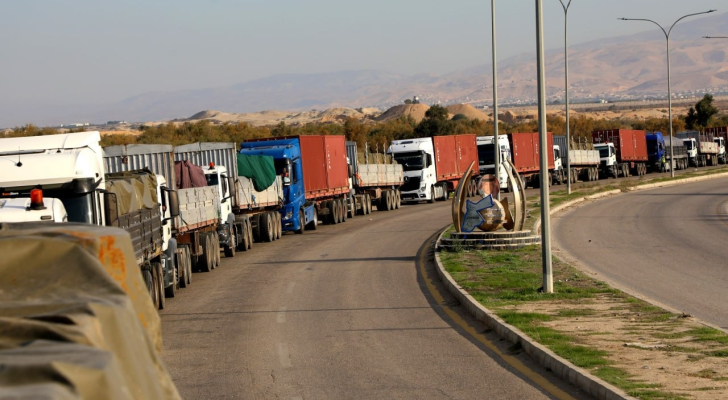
<point x="584" y="163"/>
<point x="486" y="158"/>
<point x="702" y="150"/>
<point x="622" y="152"/>
<point x="658" y="153"/>
<point x="373" y="183"/>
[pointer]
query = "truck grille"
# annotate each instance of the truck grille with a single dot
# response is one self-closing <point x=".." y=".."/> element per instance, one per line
<point x="410" y="183"/>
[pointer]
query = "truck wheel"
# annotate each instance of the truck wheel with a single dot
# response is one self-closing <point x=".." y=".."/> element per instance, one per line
<point x="204" y="262"/>
<point x="186" y="266"/>
<point x="266" y="234"/>
<point x="171" y="290"/>
<point x="150" y="283"/>
<point x="160" y="284"/>
<point x="398" y="196"/>
<point x="369" y="203"/>
<point x="255" y="228"/>
<point x="230" y="250"/>
<point x="279" y="224"/>
<point x="392" y="200"/>
<point x="432" y="194"/>
<point x="352" y="206"/>
<point x="343" y="206"/>
<point x="182" y="267"/>
<point x="311" y="226"/>
<point x="301" y="222"/>
<point x="216" y="244"/>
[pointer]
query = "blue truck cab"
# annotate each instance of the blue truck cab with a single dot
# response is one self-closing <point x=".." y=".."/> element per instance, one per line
<point x="656" y="156"/>
<point x="297" y="212"/>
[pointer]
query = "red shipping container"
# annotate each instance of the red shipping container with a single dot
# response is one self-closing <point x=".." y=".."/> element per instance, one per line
<point x="446" y="163"/>
<point x="629" y="145"/>
<point x="325" y="171"/>
<point x="467" y="153"/>
<point x="525" y="150"/>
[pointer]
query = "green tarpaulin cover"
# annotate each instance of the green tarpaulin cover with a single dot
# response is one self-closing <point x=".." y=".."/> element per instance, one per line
<point x="260" y="169"/>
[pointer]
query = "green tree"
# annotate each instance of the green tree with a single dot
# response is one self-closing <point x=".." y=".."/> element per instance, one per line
<point x="700" y="115"/>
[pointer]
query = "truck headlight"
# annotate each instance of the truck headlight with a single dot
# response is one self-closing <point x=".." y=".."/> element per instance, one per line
<point x="289" y="215"/>
<point x="423" y="187"/>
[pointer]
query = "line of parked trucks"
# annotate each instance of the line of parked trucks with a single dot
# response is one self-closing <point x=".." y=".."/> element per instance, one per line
<point x="608" y="154"/>
<point x="183" y="206"/>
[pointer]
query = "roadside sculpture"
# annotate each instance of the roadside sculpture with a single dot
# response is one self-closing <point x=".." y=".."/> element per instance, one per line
<point x="488" y="214"/>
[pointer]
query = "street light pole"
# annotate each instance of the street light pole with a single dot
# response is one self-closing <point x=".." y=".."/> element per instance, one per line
<point x="715" y="37"/>
<point x="548" y="278"/>
<point x="566" y="91"/>
<point x="669" y="89"/>
<point x="496" y="144"/>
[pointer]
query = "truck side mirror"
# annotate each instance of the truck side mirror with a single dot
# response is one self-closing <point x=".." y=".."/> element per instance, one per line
<point x="351" y="171"/>
<point x="233" y="188"/>
<point x="173" y="203"/>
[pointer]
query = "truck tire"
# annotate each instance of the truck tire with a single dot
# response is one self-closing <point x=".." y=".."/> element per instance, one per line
<point x="255" y="228"/>
<point x="352" y="206"/>
<point x="279" y="224"/>
<point x="398" y="197"/>
<point x="369" y="203"/>
<point x="160" y="284"/>
<point x="301" y="223"/>
<point x="150" y="283"/>
<point x="266" y="228"/>
<point x="204" y="262"/>
<point x="185" y="266"/>
<point x="313" y="225"/>
<point x="432" y="194"/>
<point x="343" y="206"/>
<point x="216" y="252"/>
<point x="230" y="250"/>
<point x="171" y="290"/>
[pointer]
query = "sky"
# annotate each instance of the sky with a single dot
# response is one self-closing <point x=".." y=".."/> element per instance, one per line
<point x="102" y="51"/>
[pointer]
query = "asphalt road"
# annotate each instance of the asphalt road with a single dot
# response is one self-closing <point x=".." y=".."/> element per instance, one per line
<point x="340" y="313"/>
<point x="667" y="244"/>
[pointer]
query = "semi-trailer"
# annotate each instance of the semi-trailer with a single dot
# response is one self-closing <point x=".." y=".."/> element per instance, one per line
<point x="720" y="137"/>
<point x="247" y="213"/>
<point x="486" y="158"/>
<point x="622" y="152"/>
<point x="373" y="183"/>
<point x="195" y="228"/>
<point x="702" y="150"/>
<point x="434" y="165"/>
<point x="315" y="178"/>
<point x="69" y="169"/>
<point x="658" y="153"/>
<point x="584" y="162"/>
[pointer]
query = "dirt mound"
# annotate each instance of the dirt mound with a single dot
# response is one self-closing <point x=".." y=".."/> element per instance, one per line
<point x="207" y="114"/>
<point x="416" y="111"/>
<point x="339" y="114"/>
<point x="468" y="111"/>
<point x="369" y="111"/>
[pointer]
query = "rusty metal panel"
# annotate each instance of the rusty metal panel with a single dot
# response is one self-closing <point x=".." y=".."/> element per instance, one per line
<point x="337" y="169"/>
<point x="203" y="153"/>
<point x="467" y="152"/>
<point x="313" y="160"/>
<point x="525" y="150"/>
<point x="446" y="165"/>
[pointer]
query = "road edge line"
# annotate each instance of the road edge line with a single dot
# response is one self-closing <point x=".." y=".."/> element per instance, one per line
<point x="562" y="368"/>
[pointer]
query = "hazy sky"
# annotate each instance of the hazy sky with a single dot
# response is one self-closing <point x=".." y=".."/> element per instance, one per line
<point x="99" y="51"/>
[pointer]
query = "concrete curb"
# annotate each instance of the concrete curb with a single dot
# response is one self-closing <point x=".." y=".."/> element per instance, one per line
<point x="562" y="368"/>
<point x="537" y="226"/>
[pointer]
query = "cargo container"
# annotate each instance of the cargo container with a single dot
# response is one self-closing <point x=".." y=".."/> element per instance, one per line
<point x="247" y="214"/>
<point x="526" y="156"/>
<point x="315" y="178"/>
<point x="195" y="229"/>
<point x="702" y="150"/>
<point x="433" y="166"/>
<point x="658" y="153"/>
<point x="583" y="159"/>
<point x="622" y="152"/>
<point x="375" y="181"/>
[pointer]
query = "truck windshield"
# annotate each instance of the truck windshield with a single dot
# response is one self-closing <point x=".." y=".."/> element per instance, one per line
<point x="485" y="154"/>
<point x="689" y="144"/>
<point x="652" y="146"/>
<point x="80" y="207"/>
<point x="411" y="161"/>
<point x="212" y="179"/>
<point x="603" y="151"/>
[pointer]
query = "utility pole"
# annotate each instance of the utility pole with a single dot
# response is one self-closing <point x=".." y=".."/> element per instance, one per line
<point x="566" y="92"/>
<point x="548" y="278"/>
<point x="496" y="144"/>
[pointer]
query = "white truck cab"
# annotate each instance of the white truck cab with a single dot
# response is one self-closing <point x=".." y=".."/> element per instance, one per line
<point x="486" y="157"/>
<point x="417" y="159"/>
<point x="720" y="141"/>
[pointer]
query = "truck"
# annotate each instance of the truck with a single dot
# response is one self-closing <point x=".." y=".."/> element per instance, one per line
<point x="486" y="158"/>
<point x="720" y="136"/>
<point x="194" y="228"/>
<point x="434" y="165"/>
<point x="247" y="214"/>
<point x="372" y="181"/>
<point x="526" y="157"/>
<point x="622" y="152"/>
<point x="584" y="162"/>
<point x="658" y="153"/>
<point x="315" y="178"/>
<point x="62" y="178"/>
<point x="702" y="150"/>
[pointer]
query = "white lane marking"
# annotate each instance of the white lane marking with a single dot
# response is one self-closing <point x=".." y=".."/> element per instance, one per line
<point x="283" y="355"/>
<point x="289" y="289"/>
<point x="281" y="317"/>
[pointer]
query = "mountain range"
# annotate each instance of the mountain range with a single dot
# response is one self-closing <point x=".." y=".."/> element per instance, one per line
<point x="616" y="67"/>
